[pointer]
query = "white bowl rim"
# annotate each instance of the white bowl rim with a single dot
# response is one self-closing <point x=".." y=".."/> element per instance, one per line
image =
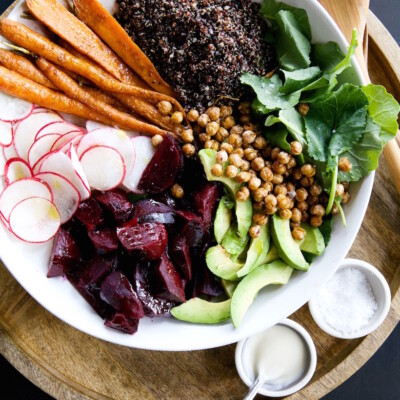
<point x="362" y="266"/>
<point x="177" y="337"/>
<point x="299" y="384"/>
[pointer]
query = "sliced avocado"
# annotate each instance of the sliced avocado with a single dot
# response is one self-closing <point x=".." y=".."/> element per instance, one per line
<point x="271" y="256"/>
<point x="233" y="243"/>
<point x="229" y="287"/>
<point x="288" y="248"/>
<point x="313" y="242"/>
<point x="277" y="273"/>
<point x="200" y="311"/>
<point x="258" y="250"/>
<point x="220" y="264"/>
<point x="223" y="218"/>
<point x="243" y="209"/>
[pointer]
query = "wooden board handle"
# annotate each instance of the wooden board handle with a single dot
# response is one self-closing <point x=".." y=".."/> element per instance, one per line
<point x="392" y="156"/>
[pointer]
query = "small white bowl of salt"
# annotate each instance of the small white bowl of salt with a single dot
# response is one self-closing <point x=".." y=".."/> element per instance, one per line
<point x="353" y="303"/>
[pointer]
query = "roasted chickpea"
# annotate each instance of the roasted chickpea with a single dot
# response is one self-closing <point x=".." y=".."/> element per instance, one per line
<point x="315" y="221"/>
<point x="267" y="186"/>
<point x="296" y="215"/>
<point x="156" y="140"/>
<point x="298" y="233"/>
<point x="236" y="160"/>
<point x="301" y="194"/>
<point x="225" y="111"/>
<point x="271" y="201"/>
<point x="254" y="183"/>
<point x="260" y="194"/>
<point x="283" y="202"/>
<point x="283" y="157"/>
<point x="260" y="143"/>
<point x="243" y="194"/>
<point x="318" y="210"/>
<point x="244" y="107"/>
<point x="165" y="107"/>
<point x="222" y="157"/>
<point x="280" y="189"/>
<point x="302" y="206"/>
<point x="346" y="198"/>
<point x="296" y="148"/>
<point x="278" y="168"/>
<point x="217" y="170"/>
<point x="212" y="128"/>
<point x="203" y="120"/>
<point x="228" y="122"/>
<point x="305" y="217"/>
<point x="237" y="129"/>
<point x="339" y="190"/>
<point x="245" y="166"/>
<point x="335" y="210"/>
<point x="285" y="213"/>
<point x="243" y="177"/>
<point x="266" y="174"/>
<point x="297" y="174"/>
<point x="306" y="182"/>
<point x="211" y="144"/>
<point x="292" y="163"/>
<point x="177" y="117"/>
<point x="188" y="150"/>
<point x="255" y="231"/>
<point x="250" y="154"/>
<point x="267" y="152"/>
<point x="312" y="200"/>
<point x="303" y="109"/>
<point x="249" y="137"/>
<point x="193" y="115"/>
<point x="345" y="165"/>
<point x="213" y="113"/>
<point x="277" y="179"/>
<point x="315" y="190"/>
<point x="231" y="171"/>
<point x="177" y="191"/>
<point x="204" y="137"/>
<point x="260" y="219"/>
<point x="258" y="206"/>
<point x="187" y="136"/>
<point x="258" y="164"/>
<point x="274" y="153"/>
<point x="307" y="170"/>
<point x="227" y="147"/>
<point x="221" y="135"/>
<point x="244" y="119"/>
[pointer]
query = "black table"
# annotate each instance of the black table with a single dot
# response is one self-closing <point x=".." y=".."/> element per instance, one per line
<point x="379" y="379"/>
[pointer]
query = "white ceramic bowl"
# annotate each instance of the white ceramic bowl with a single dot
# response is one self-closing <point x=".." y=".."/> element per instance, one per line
<point x="380" y="289"/>
<point x="248" y="376"/>
<point x="28" y="263"/>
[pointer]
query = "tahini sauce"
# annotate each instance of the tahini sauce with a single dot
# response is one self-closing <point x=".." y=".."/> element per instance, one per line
<point x="278" y="353"/>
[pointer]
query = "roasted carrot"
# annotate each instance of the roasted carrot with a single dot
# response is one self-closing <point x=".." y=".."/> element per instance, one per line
<point x="73" y="90"/>
<point x="40" y="45"/>
<point x="106" y="98"/>
<point x="24" y="67"/>
<point x="59" y="20"/>
<point x="92" y="13"/>
<point x="17" y="85"/>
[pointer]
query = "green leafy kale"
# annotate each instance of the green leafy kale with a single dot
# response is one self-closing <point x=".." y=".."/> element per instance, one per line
<point x="297" y="80"/>
<point x="326" y="55"/>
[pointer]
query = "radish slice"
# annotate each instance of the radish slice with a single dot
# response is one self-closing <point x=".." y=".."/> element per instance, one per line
<point x="9" y="152"/>
<point x="72" y="143"/>
<point x="110" y="137"/>
<point x="71" y="153"/>
<point x="66" y="195"/>
<point x="64" y="139"/>
<point x="3" y="162"/>
<point x="20" y="190"/>
<point x="74" y="120"/>
<point x="61" y="164"/>
<point x="92" y="125"/>
<point x="26" y="130"/>
<point x="41" y="147"/>
<point x="5" y="133"/>
<point x="144" y="153"/>
<point x="61" y="127"/>
<point x="35" y="220"/>
<point x="13" y="109"/>
<point x="16" y="169"/>
<point x="104" y="167"/>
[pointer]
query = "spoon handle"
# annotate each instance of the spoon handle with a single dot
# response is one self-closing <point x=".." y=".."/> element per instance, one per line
<point x="255" y="387"/>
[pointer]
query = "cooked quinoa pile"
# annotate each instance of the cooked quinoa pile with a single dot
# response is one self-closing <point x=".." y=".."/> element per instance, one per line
<point x="200" y="47"/>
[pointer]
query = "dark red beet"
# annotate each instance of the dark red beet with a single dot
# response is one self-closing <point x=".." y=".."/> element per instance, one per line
<point x="153" y="306"/>
<point x="173" y="286"/>
<point x="149" y="239"/>
<point x="206" y="283"/>
<point x="117" y="291"/>
<point x="104" y="240"/>
<point x="179" y="253"/>
<point x="163" y="169"/>
<point x="153" y="211"/>
<point x="98" y="268"/>
<point x="195" y="232"/>
<point x="115" y="202"/>
<point x="65" y="254"/>
<point x="122" y="323"/>
<point x="205" y="201"/>
<point x="90" y="214"/>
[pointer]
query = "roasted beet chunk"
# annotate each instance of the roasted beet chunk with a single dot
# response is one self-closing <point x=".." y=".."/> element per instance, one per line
<point x="179" y="253"/>
<point x="90" y="214"/>
<point x="173" y="286"/>
<point x="149" y="239"/>
<point x="196" y="234"/>
<point x="205" y="201"/>
<point x="116" y="202"/>
<point x="97" y="269"/>
<point x="122" y="323"/>
<point x="206" y="283"/>
<point x="153" y="306"/>
<point x="118" y="293"/>
<point x="153" y="211"/>
<point x="104" y="240"/>
<point x="163" y="169"/>
<point x="64" y="255"/>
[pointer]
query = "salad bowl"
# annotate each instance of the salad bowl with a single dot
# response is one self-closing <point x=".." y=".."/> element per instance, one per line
<point x="28" y="263"/>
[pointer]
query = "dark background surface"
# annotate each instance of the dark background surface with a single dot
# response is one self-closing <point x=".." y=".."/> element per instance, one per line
<point x="379" y="379"/>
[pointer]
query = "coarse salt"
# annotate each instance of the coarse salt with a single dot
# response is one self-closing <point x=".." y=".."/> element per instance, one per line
<point x="347" y="302"/>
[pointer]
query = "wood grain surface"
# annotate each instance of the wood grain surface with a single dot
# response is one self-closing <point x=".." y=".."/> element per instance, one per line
<point x="68" y="364"/>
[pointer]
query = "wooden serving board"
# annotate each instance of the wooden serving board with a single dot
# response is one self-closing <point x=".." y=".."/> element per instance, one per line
<point x="68" y="364"/>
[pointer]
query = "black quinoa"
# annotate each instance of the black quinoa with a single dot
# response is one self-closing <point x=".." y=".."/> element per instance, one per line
<point x="200" y="47"/>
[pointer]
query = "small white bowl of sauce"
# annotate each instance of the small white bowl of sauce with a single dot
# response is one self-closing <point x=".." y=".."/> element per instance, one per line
<point x="285" y="353"/>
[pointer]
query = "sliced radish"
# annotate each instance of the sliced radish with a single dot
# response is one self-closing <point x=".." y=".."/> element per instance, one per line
<point x="4" y="221"/>
<point x="26" y="130"/>
<point x="144" y="153"/>
<point x="13" y="109"/>
<point x="74" y="142"/>
<point x="40" y="147"/>
<point x="66" y="195"/>
<point x="35" y="220"/>
<point x="9" y="152"/>
<point x="104" y="167"/>
<point x="74" y="119"/>
<point x="16" y="169"/>
<point x="71" y="153"/>
<point x="64" y="139"/>
<point x="20" y="190"/>
<point x="3" y="162"/>
<point x="59" y="126"/>
<point x="92" y="125"/>
<point x="61" y="164"/>
<point x="115" y="138"/>
<point x="6" y="134"/>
